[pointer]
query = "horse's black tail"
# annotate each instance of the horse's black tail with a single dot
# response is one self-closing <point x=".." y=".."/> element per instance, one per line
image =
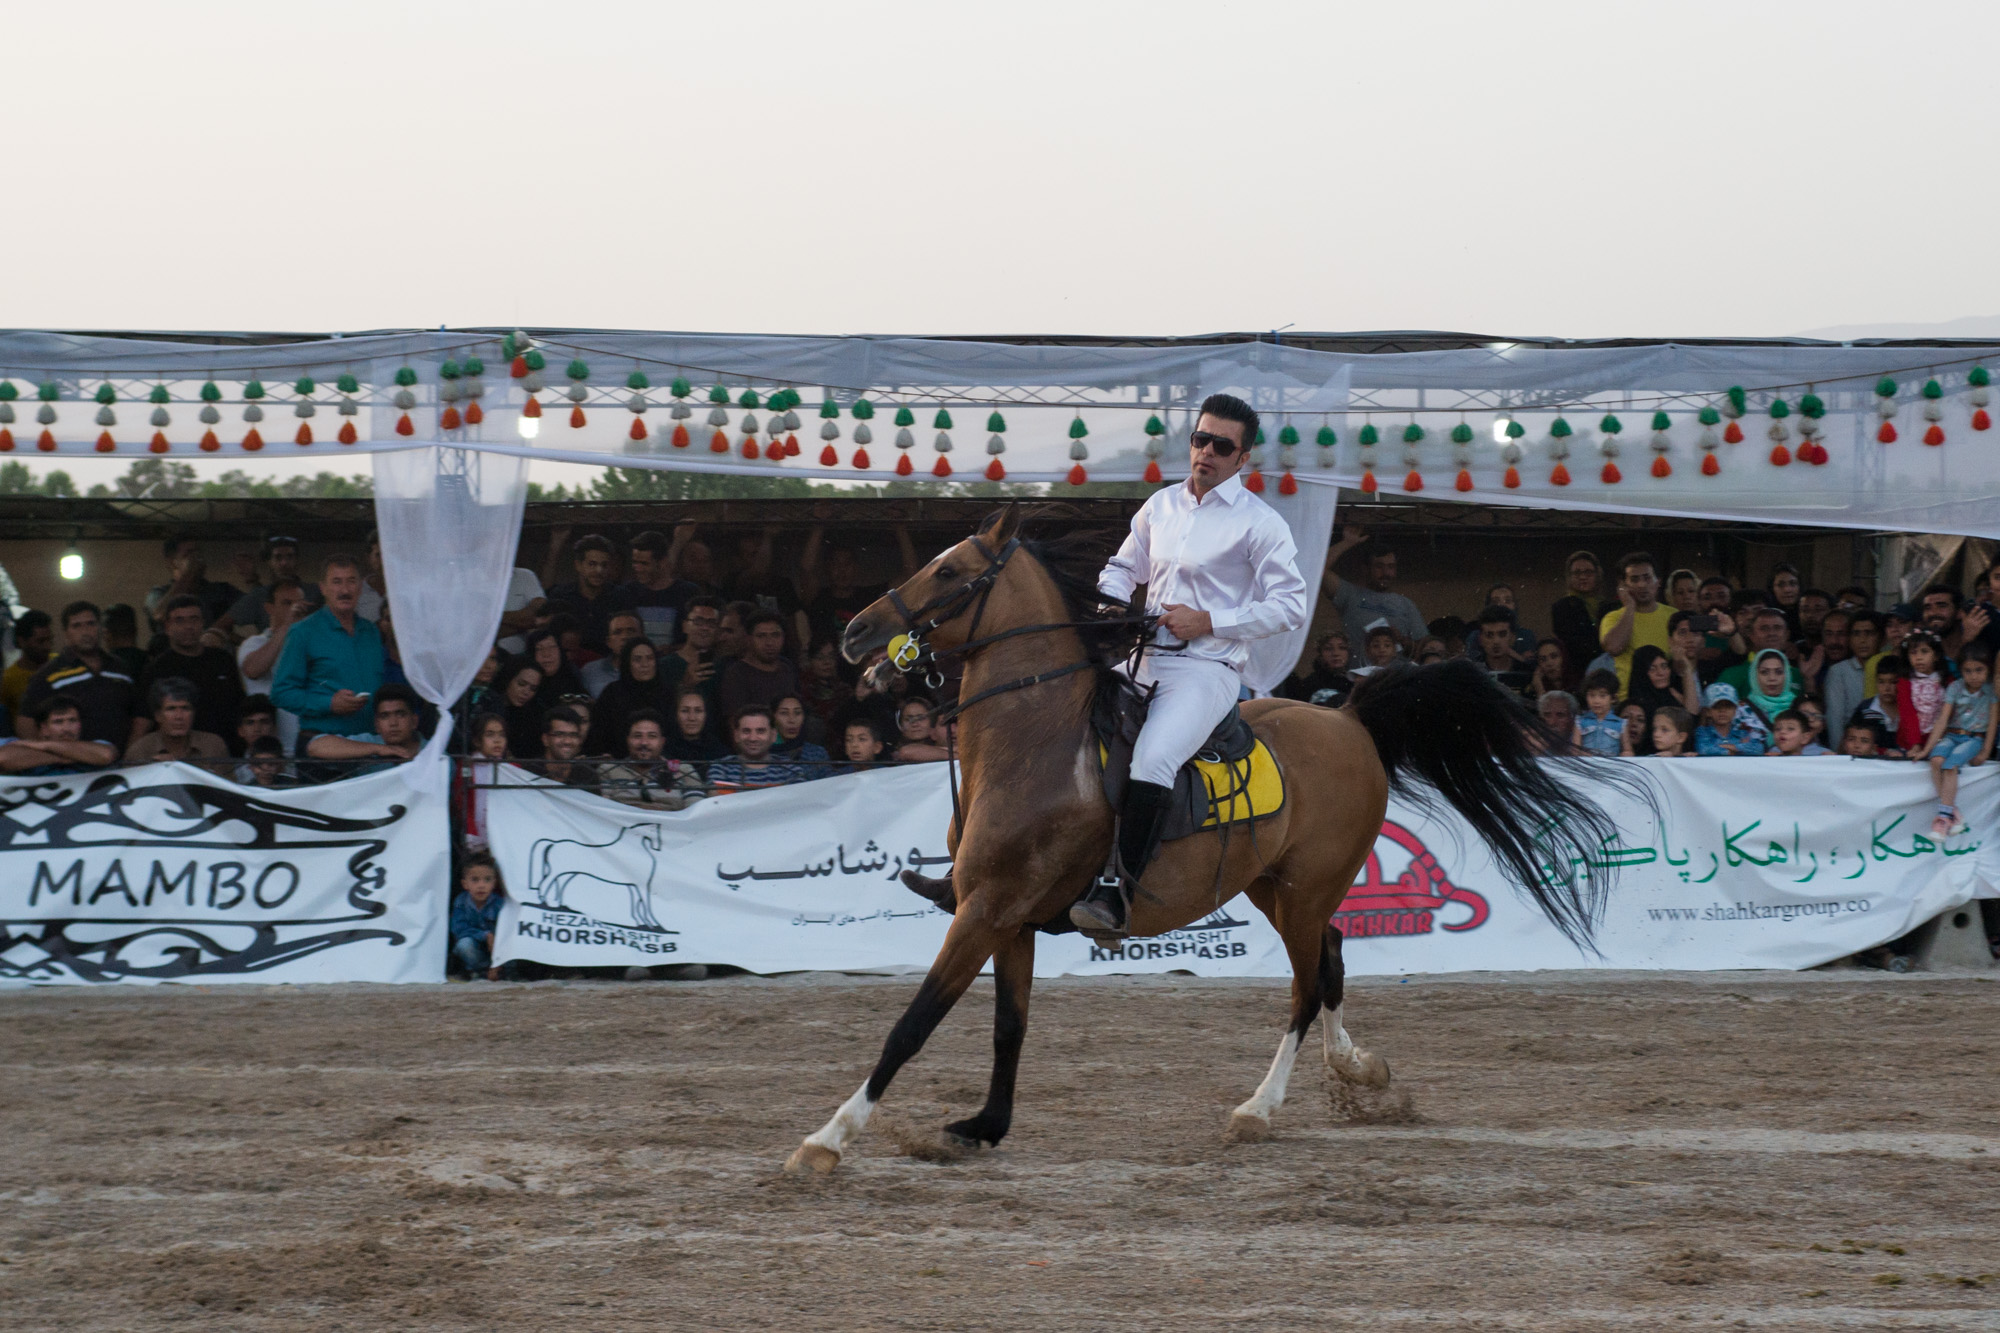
<point x="1454" y="729"/>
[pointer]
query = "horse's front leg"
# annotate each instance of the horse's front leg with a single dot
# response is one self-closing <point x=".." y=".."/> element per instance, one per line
<point x="1013" y="977"/>
<point x="967" y="946"/>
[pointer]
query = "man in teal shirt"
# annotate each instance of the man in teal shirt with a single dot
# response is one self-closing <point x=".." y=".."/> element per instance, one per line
<point x="332" y="662"/>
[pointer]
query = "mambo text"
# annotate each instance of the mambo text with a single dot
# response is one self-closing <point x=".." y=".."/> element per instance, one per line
<point x="220" y="885"/>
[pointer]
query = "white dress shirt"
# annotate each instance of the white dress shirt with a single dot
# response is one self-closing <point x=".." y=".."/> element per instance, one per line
<point x="1228" y="554"/>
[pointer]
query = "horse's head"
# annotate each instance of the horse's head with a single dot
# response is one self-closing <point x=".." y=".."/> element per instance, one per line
<point x="938" y="604"/>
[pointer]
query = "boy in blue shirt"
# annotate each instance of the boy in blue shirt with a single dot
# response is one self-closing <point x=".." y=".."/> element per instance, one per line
<point x="1602" y="729"/>
<point x="475" y="915"/>
<point x="1722" y="730"/>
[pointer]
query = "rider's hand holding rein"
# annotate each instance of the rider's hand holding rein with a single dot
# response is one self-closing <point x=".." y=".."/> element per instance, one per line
<point x="1185" y="623"/>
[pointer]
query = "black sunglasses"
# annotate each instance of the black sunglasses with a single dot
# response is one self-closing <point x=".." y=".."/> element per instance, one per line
<point x="1219" y="445"/>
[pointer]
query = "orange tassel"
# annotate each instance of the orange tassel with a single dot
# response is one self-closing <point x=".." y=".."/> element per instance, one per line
<point x="253" y="441"/>
<point x="861" y="458"/>
<point x="1886" y="435"/>
<point x="1512" y="481"/>
<point x="576" y="418"/>
<point x="531" y="408"/>
<point x="305" y="435"/>
<point x="6" y="440"/>
<point x="474" y="413"/>
<point x="347" y="434"/>
<point x="1153" y="470"/>
<point x="1935" y="435"/>
<point x="159" y="442"/>
<point x="718" y="443"/>
<point x="749" y="446"/>
<point x="1288" y="485"/>
<point x="1732" y="434"/>
<point x="1464" y="482"/>
<point x="791" y="446"/>
<point x="404" y="425"/>
<point x="941" y="468"/>
<point x="994" y="472"/>
<point x="638" y="431"/>
<point x="46" y="443"/>
<point x="1611" y="476"/>
<point x="828" y="458"/>
<point x="1413" y="482"/>
<point x="1077" y="476"/>
<point x="680" y="435"/>
<point x="518" y="367"/>
<point x="1780" y="455"/>
<point x="1661" y="467"/>
<point x="1980" y="421"/>
<point x="1560" y="477"/>
<point x="1709" y="467"/>
<point x="1254" y="482"/>
<point x="105" y="444"/>
<point x="903" y="465"/>
<point x="1368" y="483"/>
<point x="448" y="419"/>
<point x="209" y="444"/>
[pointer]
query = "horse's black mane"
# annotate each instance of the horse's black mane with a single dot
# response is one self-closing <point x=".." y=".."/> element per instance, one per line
<point x="1073" y="560"/>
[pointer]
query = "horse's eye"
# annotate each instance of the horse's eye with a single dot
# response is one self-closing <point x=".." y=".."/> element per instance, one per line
<point x="947" y="572"/>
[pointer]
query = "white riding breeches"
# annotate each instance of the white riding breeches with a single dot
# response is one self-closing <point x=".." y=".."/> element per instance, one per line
<point x="1194" y="695"/>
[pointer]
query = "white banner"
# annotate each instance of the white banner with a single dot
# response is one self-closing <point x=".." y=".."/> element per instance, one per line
<point x="1784" y="863"/>
<point x="167" y="872"/>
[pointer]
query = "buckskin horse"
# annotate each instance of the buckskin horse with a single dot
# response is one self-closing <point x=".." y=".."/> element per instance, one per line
<point x="1033" y="826"/>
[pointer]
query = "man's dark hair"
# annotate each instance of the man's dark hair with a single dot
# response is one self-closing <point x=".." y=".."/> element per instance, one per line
<point x="652" y="715"/>
<point x="29" y="622"/>
<point x="652" y="543"/>
<point x="742" y="611"/>
<point x="179" y="603"/>
<point x="47" y="708"/>
<point x="761" y="617"/>
<point x="172" y="689"/>
<point x="1817" y="592"/>
<point x="120" y="618"/>
<point x="1601" y="680"/>
<point x="1588" y="556"/>
<point x="1677" y="619"/>
<point x="868" y="722"/>
<point x="751" y="710"/>
<point x="1374" y="553"/>
<point x="1769" y="613"/>
<point x="592" y="541"/>
<point x="1228" y="407"/>
<point x="267" y="745"/>
<point x="1631" y="558"/>
<point x="1380" y="632"/>
<point x="559" y="714"/>
<point x="1957" y="597"/>
<point x="1716" y="581"/>
<point x="171" y="547"/>
<point x="1893" y="665"/>
<point x="395" y="692"/>
<point x="563" y="622"/>
<point x="1794" y="715"/>
<point x="271" y="593"/>
<point x="707" y="601"/>
<point x="1874" y="618"/>
<point x="1496" y="614"/>
<point x="75" y="609"/>
<point x="256" y="705"/>
<point x="338" y="560"/>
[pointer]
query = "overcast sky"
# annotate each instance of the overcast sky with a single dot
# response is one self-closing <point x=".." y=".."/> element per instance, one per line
<point x="1166" y="167"/>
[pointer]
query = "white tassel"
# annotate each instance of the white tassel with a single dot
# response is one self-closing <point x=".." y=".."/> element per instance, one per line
<point x="1558" y="447"/>
<point x="1708" y="439"/>
<point x="46" y="414"/>
<point x="637" y="404"/>
<point x="904" y="439"/>
<point x="1778" y="434"/>
<point x="253" y="414"/>
<point x="106" y="417"/>
<point x="472" y="386"/>
<point x="532" y="382"/>
<point x="1078" y="451"/>
<point x="1511" y="452"/>
<point x="996" y="444"/>
<point x="749" y="423"/>
<point x="405" y="400"/>
<point x="1288" y="457"/>
<point x="6" y="414"/>
<point x="1979" y="395"/>
<point x="1885" y="407"/>
<point x="349" y="408"/>
<point x="1608" y="446"/>
<point x="944" y="442"/>
<point x="208" y="415"/>
<point x="829" y="431"/>
<point x="160" y="419"/>
<point x="863" y="435"/>
<point x="579" y="394"/>
<point x="303" y="408"/>
<point x="718" y="417"/>
<point x="791" y="420"/>
<point x="448" y="391"/>
<point x="1366" y="455"/>
<point x="1933" y="409"/>
<point x="1662" y="442"/>
<point x="680" y="411"/>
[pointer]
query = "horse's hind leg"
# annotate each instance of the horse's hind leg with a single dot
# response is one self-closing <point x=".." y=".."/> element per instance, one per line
<point x="967" y="946"/>
<point x="1013" y="976"/>
<point x="1304" y="940"/>
<point x="1348" y="1061"/>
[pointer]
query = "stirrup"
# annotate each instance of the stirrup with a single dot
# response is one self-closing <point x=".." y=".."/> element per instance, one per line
<point x="1104" y="913"/>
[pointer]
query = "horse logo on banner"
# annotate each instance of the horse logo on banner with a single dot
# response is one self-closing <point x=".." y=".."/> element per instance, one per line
<point x="582" y="877"/>
<point x="1410" y="903"/>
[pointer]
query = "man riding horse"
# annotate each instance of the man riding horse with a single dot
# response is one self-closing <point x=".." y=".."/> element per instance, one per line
<point x="1220" y="570"/>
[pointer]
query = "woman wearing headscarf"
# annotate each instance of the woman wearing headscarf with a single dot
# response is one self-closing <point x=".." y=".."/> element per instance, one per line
<point x="1773" y="687"/>
<point x="1783" y="593"/>
<point x="558" y="676"/>
<point x="515" y="688"/>
<point x="689" y="739"/>
<point x="646" y="679"/>
<point x="1554" y="670"/>
<point x="1653" y="686"/>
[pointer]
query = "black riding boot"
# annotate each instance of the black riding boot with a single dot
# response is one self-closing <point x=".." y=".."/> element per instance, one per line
<point x="1103" y="910"/>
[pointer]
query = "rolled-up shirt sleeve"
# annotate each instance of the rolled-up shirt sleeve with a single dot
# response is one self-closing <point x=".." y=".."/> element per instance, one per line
<point x="1280" y="603"/>
<point x="1130" y="567"/>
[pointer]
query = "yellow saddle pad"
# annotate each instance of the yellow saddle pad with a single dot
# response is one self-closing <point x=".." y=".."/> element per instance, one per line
<point x="1233" y="797"/>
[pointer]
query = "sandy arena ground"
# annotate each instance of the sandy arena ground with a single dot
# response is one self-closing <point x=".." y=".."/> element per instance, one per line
<point x="1560" y="1151"/>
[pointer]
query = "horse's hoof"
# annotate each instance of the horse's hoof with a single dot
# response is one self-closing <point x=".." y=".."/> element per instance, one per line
<point x="1247" y="1129"/>
<point x="1373" y="1071"/>
<point x="811" y="1155"/>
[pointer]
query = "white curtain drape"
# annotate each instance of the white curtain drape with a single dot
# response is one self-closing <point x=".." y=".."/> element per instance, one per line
<point x="450" y="520"/>
<point x="1309" y="514"/>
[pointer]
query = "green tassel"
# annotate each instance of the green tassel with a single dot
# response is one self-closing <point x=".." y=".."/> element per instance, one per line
<point x="1932" y="389"/>
<point x="828" y="409"/>
<point x="347" y="384"/>
<point x="508" y="347"/>
<point x="1977" y="377"/>
<point x="1812" y="405"/>
<point x="1155" y="426"/>
<point x="1780" y="409"/>
<point x="535" y="360"/>
<point x="1260" y="435"/>
<point x="1885" y="387"/>
<point x="577" y="370"/>
<point x="1515" y="430"/>
<point x="942" y="421"/>
<point x="1369" y="437"/>
<point x="8" y="393"/>
<point x="750" y="398"/>
<point x="996" y="424"/>
<point x="474" y="366"/>
<point x="106" y="394"/>
<point x="450" y="370"/>
<point x="1461" y="434"/>
<point x="211" y="392"/>
<point x="863" y="410"/>
<point x="1326" y="439"/>
<point x="1661" y="421"/>
<point x="905" y="417"/>
<point x="1288" y="434"/>
<point x="637" y="380"/>
<point x="158" y="395"/>
<point x="1077" y="430"/>
<point x="406" y="377"/>
<point x="48" y="391"/>
<point x="254" y="390"/>
<point x="1738" y="399"/>
<point x="1412" y="433"/>
<point x="1708" y="416"/>
<point x="1610" y="425"/>
<point x="1559" y="428"/>
<point x="718" y="395"/>
<point x="681" y="388"/>
<point x="302" y="386"/>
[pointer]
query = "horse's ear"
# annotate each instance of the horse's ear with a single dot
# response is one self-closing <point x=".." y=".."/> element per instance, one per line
<point x="1002" y="525"/>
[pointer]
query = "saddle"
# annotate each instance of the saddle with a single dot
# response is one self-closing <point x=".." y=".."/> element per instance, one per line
<point x="1232" y="779"/>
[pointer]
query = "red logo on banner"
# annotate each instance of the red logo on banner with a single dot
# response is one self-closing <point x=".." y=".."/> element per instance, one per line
<point x="1410" y="903"/>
